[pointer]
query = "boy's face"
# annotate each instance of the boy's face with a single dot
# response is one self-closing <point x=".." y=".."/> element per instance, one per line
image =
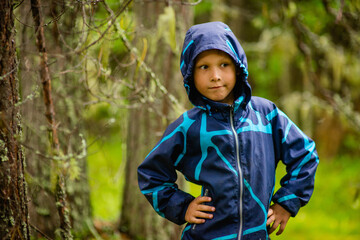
<point x="215" y="76"/>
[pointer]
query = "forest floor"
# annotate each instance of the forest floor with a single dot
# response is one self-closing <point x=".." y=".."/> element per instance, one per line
<point x="107" y="230"/>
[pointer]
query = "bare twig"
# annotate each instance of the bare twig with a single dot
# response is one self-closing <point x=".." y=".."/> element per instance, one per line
<point x="44" y="71"/>
<point x="113" y="20"/>
<point x="340" y="12"/>
<point x="182" y="2"/>
<point x="84" y="34"/>
<point x="190" y="3"/>
<point x="40" y="232"/>
<point x="8" y="73"/>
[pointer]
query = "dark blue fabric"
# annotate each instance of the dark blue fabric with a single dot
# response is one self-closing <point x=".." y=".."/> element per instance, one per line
<point x="202" y="144"/>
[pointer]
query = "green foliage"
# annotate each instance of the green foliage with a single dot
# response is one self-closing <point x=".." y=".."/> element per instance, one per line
<point x="107" y="118"/>
<point x="74" y="169"/>
<point x="106" y="177"/>
<point x="3" y="152"/>
<point x="311" y="12"/>
<point x="167" y="27"/>
<point x="269" y="62"/>
<point x="204" y="8"/>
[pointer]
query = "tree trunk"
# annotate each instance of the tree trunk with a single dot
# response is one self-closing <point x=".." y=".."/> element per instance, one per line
<point x="78" y="190"/>
<point x="60" y="194"/>
<point x="146" y="123"/>
<point x="13" y="195"/>
<point x="41" y="194"/>
<point x="41" y="170"/>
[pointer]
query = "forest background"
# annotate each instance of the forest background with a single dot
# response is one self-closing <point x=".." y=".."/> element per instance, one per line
<point x="87" y="88"/>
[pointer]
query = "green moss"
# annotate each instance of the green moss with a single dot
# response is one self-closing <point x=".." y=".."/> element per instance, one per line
<point x="43" y="211"/>
<point x="12" y="221"/>
<point x="3" y="152"/>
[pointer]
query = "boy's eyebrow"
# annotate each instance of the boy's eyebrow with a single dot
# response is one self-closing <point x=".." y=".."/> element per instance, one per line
<point x="221" y="59"/>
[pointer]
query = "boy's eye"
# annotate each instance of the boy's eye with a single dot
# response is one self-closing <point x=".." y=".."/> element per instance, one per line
<point x="203" y="67"/>
<point x="225" y="64"/>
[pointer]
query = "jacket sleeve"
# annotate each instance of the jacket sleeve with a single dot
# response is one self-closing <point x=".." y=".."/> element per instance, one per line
<point x="298" y="153"/>
<point x="157" y="177"/>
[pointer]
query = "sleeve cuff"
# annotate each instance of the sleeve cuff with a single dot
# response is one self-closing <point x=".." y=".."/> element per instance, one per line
<point x="177" y="213"/>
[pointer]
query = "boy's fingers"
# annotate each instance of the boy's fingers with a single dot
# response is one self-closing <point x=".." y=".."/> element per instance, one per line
<point x="270" y="212"/>
<point x="206" y="208"/>
<point x="282" y="228"/>
<point x="273" y="227"/>
<point x="270" y="220"/>
<point x="197" y="220"/>
<point x="203" y="199"/>
<point x="204" y="215"/>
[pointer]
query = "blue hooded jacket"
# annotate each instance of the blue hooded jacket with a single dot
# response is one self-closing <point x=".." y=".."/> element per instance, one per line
<point x="230" y="150"/>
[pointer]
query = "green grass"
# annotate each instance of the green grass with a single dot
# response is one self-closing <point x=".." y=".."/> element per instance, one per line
<point x="332" y="213"/>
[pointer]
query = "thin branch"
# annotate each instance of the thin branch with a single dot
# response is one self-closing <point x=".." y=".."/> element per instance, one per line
<point x="18" y="4"/>
<point x="190" y="3"/>
<point x="8" y="73"/>
<point x="182" y="2"/>
<point x="83" y="36"/>
<point x="44" y="71"/>
<point x="113" y="20"/>
<point x="340" y="12"/>
<point x="40" y="232"/>
<point x="149" y="71"/>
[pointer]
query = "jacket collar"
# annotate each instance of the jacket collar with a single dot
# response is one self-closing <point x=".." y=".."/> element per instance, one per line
<point x="222" y="110"/>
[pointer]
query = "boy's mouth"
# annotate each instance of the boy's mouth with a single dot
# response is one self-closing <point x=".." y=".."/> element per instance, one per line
<point x="216" y="87"/>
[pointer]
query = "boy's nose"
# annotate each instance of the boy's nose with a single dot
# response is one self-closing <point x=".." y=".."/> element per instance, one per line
<point x="215" y="76"/>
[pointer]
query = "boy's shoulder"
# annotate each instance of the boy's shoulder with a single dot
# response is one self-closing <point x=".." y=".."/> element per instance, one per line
<point x="186" y="118"/>
<point x="262" y="105"/>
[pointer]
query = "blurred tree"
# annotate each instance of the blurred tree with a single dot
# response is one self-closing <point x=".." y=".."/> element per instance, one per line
<point x="65" y="33"/>
<point x="60" y="188"/>
<point x="13" y="193"/>
<point x="38" y="173"/>
<point x="330" y="44"/>
<point x="158" y="26"/>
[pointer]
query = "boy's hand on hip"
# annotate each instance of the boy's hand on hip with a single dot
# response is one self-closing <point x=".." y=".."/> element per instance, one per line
<point x="277" y="215"/>
<point x="196" y="212"/>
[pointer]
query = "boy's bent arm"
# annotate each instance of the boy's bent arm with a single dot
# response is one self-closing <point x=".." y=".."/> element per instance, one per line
<point x="157" y="177"/>
<point x="165" y="197"/>
<point x="298" y="153"/>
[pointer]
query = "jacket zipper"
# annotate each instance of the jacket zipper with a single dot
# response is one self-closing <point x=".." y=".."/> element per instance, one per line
<point x="239" y="169"/>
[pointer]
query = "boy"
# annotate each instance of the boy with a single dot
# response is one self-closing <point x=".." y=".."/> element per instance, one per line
<point x="230" y="144"/>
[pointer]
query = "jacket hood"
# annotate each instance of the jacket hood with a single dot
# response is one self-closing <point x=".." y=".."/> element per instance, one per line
<point x="213" y="35"/>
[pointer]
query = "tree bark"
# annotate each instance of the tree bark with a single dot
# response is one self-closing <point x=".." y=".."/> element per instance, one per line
<point x="13" y="196"/>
